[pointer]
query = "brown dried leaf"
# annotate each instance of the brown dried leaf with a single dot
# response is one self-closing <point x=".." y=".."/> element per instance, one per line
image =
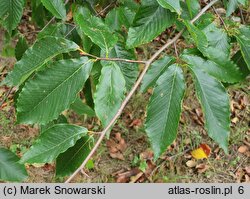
<point x="116" y="146"/>
<point x="147" y="155"/>
<point x="202" y="168"/>
<point x="117" y="155"/>
<point x="247" y="169"/>
<point x="125" y="177"/>
<point x="133" y="179"/>
<point x="243" y="149"/>
<point x="136" y="122"/>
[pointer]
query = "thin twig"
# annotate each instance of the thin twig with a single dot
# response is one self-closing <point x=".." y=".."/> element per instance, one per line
<point x="112" y="59"/>
<point x="107" y="7"/>
<point x="176" y="50"/>
<point x="222" y="21"/>
<point x="243" y="161"/>
<point x="136" y="85"/>
<point x="242" y="16"/>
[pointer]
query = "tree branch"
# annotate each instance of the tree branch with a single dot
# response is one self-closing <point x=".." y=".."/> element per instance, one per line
<point x="111" y="59"/>
<point x="136" y="85"/>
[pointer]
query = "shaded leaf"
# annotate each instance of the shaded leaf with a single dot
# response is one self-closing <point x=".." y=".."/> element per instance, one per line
<point x="217" y="38"/>
<point x="155" y="71"/>
<point x="70" y="160"/>
<point x="52" y="91"/>
<point x="56" y="7"/>
<point x="21" y="47"/>
<point x="85" y="40"/>
<point x="239" y="60"/>
<point x="52" y="142"/>
<point x="198" y="36"/>
<point x="149" y="22"/>
<point x="173" y="5"/>
<point x="163" y="112"/>
<point x="109" y="92"/>
<point x="11" y="13"/>
<point x="130" y="71"/>
<point x="80" y="108"/>
<point x="41" y="52"/>
<point x="60" y="120"/>
<point x="244" y="40"/>
<point x="215" y="105"/>
<point x="55" y="30"/>
<point x="224" y="73"/>
<point x="119" y="17"/>
<point x="10" y="169"/>
<point x="232" y="5"/>
<point x="97" y="31"/>
<point x="193" y="7"/>
<point x="212" y="49"/>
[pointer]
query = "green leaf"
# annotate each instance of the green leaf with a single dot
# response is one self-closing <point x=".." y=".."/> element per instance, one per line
<point x="240" y="62"/>
<point x="119" y="17"/>
<point x="41" y="52"/>
<point x="21" y="47"/>
<point x="216" y="51"/>
<point x="232" y="5"/>
<point x="38" y="13"/>
<point x="56" y="7"/>
<point x="155" y="71"/>
<point x="215" y="105"/>
<point x="217" y="38"/>
<point x="163" y="112"/>
<point x="11" y="13"/>
<point x="198" y="36"/>
<point x="173" y="5"/>
<point x="224" y="73"/>
<point x="189" y="10"/>
<point x="222" y="59"/>
<point x="86" y="41"/>
<point x="97" y="31"/>
<point x="130" y="71"/>
<point x="109" y="92"/>
<point x="52" y="91"/>
<point x="244" y="40"/>
<point x="70" y="160"/>
<point x="52" y="142"/>
<point x="131" y="4"/>
<point x="80" y="108"/>
<point x="55" y="30"/>
<point x="60" y="120"/>
<point x="10" y="169"/>
<point x="149" y="22"/>
<point x="193" y="7"/>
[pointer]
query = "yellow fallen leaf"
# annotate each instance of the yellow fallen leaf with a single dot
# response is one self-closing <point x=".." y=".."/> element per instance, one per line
<point x="202" y="152"/>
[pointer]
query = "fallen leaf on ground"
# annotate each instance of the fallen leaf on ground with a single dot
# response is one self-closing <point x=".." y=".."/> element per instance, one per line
<point x="125" y="177"/>
<point x="136" y="122"/>
<point x="202" y="152"/>
<point x="147" y="155"/>
<point x="191" y="163"/>
<point x="201" y="168"/>
<point x="243" y="149"/>
<point x="247" y="169"/>
<point x="133" y="179"/>
<point x="116" y="146"/>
